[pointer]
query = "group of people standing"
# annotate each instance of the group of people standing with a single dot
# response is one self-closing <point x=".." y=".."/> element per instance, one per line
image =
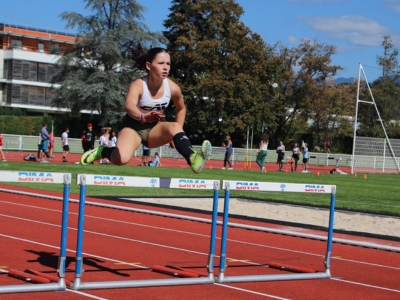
<point x="46" y="142"/>
<point x="108" y="138"/>
<point x="294" y="158"/>
<point x="262" y="151"/>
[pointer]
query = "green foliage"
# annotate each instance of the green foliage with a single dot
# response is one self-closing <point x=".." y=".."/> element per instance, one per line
<point x="376" y="194"/>
<point x="22" y="125"/>
<point x="386" y="93"/>
<point x="96" y="74"/>
<point x="225" y="70"/>
<point x="217" y="58"/>
<point x="11" y="111"/>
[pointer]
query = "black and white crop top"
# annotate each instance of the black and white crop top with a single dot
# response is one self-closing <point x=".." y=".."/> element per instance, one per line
<point x="146" y="103"/>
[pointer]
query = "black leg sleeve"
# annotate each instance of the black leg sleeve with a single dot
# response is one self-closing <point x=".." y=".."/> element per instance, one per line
<point x="183" y="145"/>
<point x="106" y="152"/>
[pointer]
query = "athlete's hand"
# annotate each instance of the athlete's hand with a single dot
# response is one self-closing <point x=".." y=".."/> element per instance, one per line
<point x="153" y="116"/>
<point x="171" y="144"/>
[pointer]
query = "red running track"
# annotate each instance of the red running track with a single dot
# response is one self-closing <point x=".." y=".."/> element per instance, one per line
<point x="181" y="163"/>
<point x="123" y="245"/>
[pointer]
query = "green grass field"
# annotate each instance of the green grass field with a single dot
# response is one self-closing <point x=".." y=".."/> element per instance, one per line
<point x="376" y="194"/>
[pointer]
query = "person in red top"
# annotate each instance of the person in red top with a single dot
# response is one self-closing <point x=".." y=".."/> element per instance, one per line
<point x="51" y="144"/>
<point x="84" y="141"/>
<point x="1" y="148"/>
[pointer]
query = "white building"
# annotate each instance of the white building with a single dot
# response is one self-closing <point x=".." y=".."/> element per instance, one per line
<point x="26" y="67"/>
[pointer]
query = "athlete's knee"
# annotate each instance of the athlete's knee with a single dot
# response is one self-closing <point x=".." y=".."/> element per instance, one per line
<point x="120" y="157"/>
<point x="175" y="127"/>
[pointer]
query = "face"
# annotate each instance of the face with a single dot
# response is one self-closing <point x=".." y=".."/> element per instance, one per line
<point x="160" y="65"/>
<point x="89" y="127"/>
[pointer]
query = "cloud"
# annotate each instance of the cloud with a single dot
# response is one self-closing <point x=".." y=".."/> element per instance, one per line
<point x="354" y="29"/>
<point x="394" y="7"/>
<point x="293" y="40"/>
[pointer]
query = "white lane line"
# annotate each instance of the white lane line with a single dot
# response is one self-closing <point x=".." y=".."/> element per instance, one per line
<point x="207" y="236"/>
<point x="367" y="285"/>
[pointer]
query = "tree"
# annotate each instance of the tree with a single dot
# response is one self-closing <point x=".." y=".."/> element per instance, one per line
<point x="96" y="74"/>
<point x="219" y="64"/>
<point x="386" y="93"/>
<point x="332" y="114"/>
<point x="389" y="61"/>
<point x="302" y="73"/>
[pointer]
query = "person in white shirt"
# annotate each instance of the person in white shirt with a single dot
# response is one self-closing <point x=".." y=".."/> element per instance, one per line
<point x="262" y="152"/>
<point x="113" y="142"/>
<point x="295" y="157"/>
<point x="65" y="145"/>
<point x="104" y="141"/>
<point x="281" y="154"/>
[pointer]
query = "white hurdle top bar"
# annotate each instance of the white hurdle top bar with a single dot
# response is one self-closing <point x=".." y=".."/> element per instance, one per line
<point x="34" y="177"/>
<point x="238" y="185"/>
<point x="151" y="182"/>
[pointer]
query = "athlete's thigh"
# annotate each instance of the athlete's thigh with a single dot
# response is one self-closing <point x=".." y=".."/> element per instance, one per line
<point x="162" y="134"/>
<point x="127" y="143"/>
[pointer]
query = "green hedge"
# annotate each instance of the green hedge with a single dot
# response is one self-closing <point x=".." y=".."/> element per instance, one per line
<point x="22" y="125"/>
<point x="31" y="125"/>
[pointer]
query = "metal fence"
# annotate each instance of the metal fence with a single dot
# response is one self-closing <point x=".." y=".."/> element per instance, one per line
<point x="26" y="143"/>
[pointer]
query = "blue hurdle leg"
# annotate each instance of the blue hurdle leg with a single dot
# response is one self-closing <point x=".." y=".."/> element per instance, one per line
<point x="79" y="242"/>
<point x="211" y="255"/>
<point x="64" y="229"/>
<point x="222" y="263"/>
<point x="330" y="229"/>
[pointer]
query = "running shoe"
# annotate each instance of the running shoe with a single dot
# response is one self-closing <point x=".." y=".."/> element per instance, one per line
<point x="91" y="155"/>
<point x="200" y="157"/>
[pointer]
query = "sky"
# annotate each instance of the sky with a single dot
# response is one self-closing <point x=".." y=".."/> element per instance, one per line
<point x="355" y="27"/>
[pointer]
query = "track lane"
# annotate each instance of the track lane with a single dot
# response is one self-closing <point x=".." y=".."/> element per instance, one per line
<point x="174" y="224"/>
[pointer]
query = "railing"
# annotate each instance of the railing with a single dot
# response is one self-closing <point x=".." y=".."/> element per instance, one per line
<point x="26" y="143"/>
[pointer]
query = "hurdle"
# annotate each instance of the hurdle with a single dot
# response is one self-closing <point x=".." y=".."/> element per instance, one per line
<point x="276" y="187"/>
<point x="44" y="177"/>
<point x="151" y="182"/>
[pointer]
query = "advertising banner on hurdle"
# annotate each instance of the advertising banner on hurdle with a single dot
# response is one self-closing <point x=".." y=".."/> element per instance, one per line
<point x="195" y="184"/>
<point x="117" y="180"/>
<point x="152" y="182"/>
<point x="278" y="187"/>
<point x="30" y="176"/>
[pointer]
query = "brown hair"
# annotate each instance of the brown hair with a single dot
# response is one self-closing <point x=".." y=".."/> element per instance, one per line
<point x="264" y="137"/>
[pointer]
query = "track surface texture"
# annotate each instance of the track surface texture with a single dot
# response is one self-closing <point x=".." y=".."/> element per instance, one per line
<point x="125" y="245"/>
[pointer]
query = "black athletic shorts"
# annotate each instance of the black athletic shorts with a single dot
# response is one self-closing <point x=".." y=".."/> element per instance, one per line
<point x="142" y="129"/>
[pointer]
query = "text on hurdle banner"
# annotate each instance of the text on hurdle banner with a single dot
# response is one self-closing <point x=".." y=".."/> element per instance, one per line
<point x="279" y="187"/>
<point x="151" y="182"/>
<point x="32" y="176"/>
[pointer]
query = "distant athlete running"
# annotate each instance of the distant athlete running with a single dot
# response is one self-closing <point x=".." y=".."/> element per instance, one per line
<point x="145" y="103"/>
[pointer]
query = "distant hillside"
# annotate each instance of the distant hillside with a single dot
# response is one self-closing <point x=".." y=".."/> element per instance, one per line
<point x="341" y="80"/>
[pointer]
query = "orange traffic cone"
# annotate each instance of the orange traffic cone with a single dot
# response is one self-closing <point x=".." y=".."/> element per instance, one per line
<point x="355" y="174"/>
<point x="318" y="173"/>
<point x="365" y="176"/>
<point x="210" y="167"/>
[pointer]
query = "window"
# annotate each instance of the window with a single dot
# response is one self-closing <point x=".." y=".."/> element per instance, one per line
<point x="16" y="44"/>
<point x="41" y="47"/>
<point x="55" y="49"/>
